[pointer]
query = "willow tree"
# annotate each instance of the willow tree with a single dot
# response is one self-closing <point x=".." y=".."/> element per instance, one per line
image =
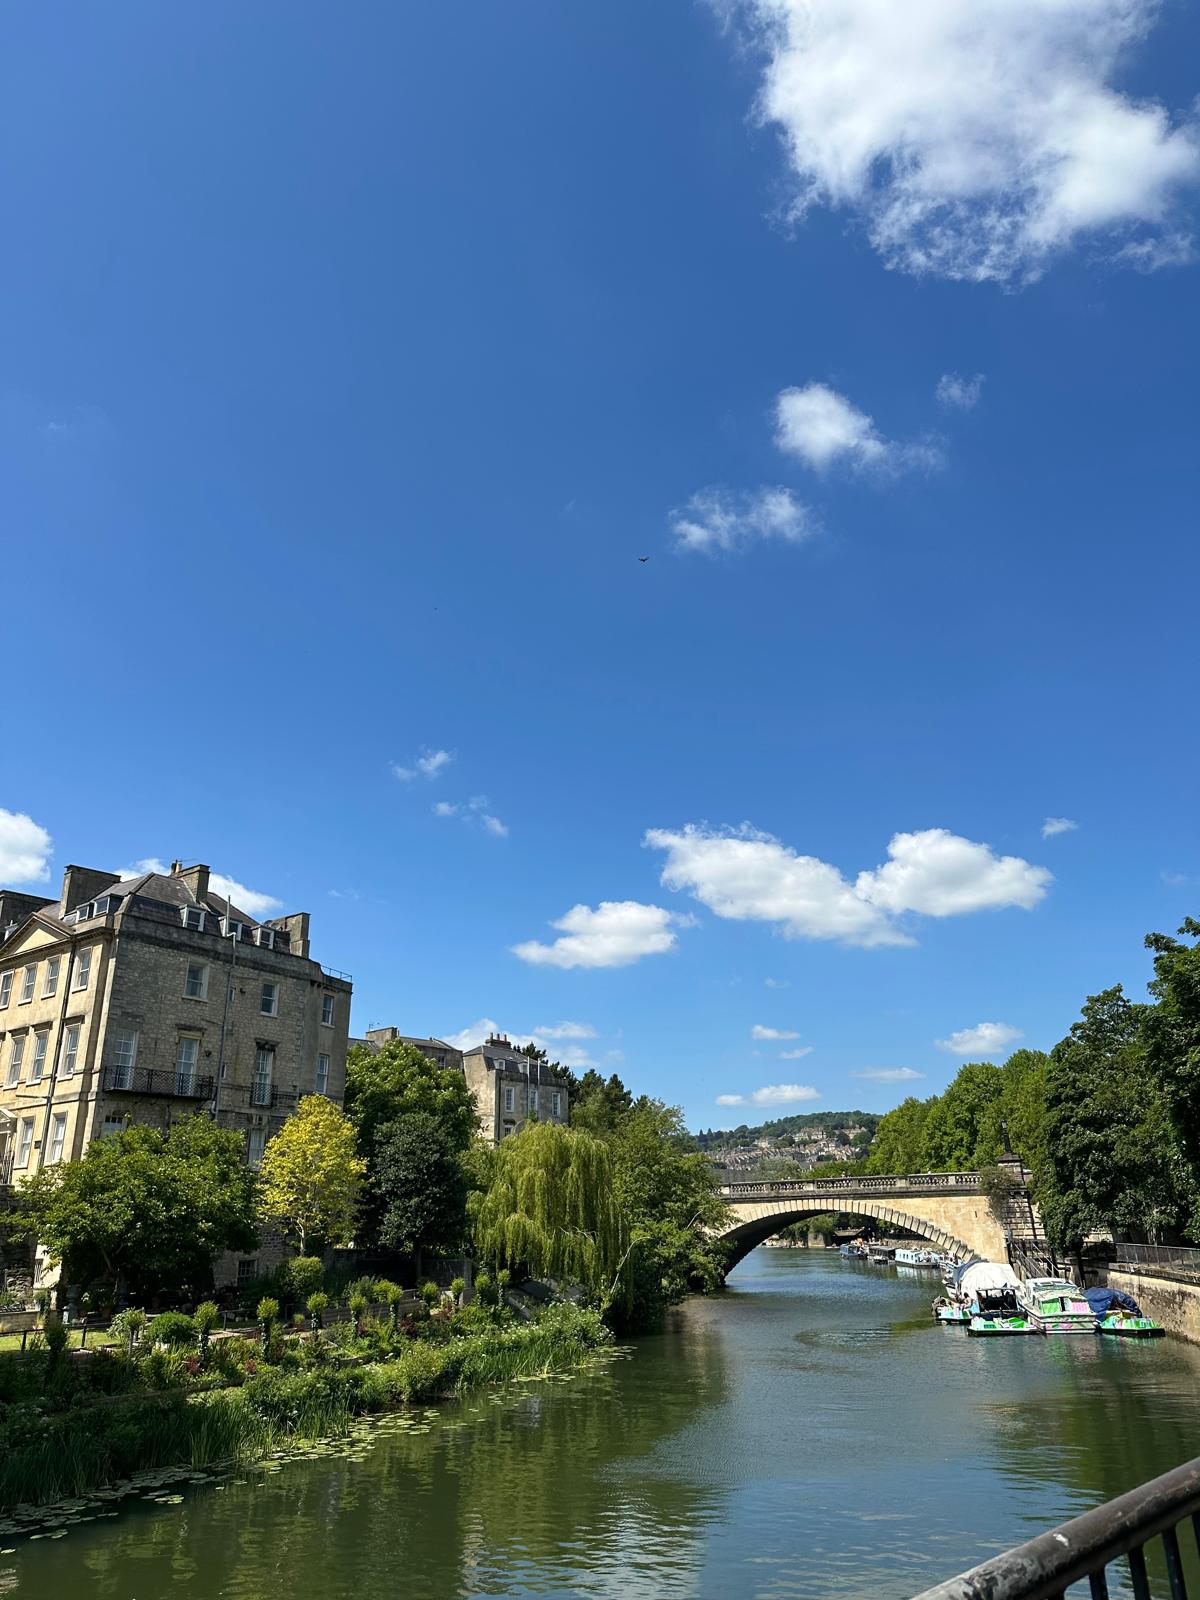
<point x="550" y="1210"/>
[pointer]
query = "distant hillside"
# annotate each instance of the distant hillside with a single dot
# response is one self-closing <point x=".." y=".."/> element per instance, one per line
<point x="781" y="1127"/>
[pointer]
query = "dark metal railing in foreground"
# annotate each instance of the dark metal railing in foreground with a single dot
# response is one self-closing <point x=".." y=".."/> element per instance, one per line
<point x="1159" y="1260"/>
<point x="1085" y="1548"/>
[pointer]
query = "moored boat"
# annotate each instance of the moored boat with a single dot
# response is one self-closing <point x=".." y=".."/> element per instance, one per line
<point x="906" y="1257"/>
<point x="1056" y="1305"/>
<point x="1119" y="1313"/>
<point x="998" y="1311"/>
<point x="951" y="1312"/>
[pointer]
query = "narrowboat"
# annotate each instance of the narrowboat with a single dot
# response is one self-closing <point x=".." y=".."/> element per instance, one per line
<point x="905" y="1257"/>
<point x="1056" y="1305"/>
<point x="1119" y="1313"/>
<point x="951" y="1312"/>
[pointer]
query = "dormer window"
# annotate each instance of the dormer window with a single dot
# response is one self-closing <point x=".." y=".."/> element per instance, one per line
<point x="101" y="907"/>
<point x="85" y="911"/>
<point x="233" y="930"/>
<point x="192" y="917"/>
<point x="265" y="938"/>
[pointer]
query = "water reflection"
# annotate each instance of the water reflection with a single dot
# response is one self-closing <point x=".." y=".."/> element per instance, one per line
<point x="811" y="1433"/>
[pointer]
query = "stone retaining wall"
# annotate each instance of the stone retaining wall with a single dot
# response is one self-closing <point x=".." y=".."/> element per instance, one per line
<point x="1172" y="1302"/>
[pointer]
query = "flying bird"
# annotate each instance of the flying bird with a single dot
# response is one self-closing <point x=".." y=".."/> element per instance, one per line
<point x="643" y="558"/>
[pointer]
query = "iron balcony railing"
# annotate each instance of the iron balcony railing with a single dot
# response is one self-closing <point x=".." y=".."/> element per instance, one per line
<point x="1088" y="1546"/>
<point x="158" y="1080"/>
<point x="265" y="1096"/>
<point x="1159" y="1260"/>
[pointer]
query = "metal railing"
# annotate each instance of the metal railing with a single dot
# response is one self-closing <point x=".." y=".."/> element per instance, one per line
<point x="332" y="972"/>
<point x="1159" y="1260"/>
<point x="158" y="1080"/>
<point x="1086" y="1547"/>
<point x="863" y="1185"/>
<point x="266" y="1096"/>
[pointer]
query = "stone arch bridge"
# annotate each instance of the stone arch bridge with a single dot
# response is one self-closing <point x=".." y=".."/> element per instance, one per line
<point x="949" y="1209"/>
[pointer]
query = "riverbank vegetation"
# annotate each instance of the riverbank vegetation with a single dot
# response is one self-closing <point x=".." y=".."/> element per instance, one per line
<point x="169" y="1393"/>
<point x="1108" y="1122"/>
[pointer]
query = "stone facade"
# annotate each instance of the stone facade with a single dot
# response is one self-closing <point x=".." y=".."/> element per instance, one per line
<point x="509" y="1088"/>
<point x="437" y="1050"/>
<point x="148" y="1000"/>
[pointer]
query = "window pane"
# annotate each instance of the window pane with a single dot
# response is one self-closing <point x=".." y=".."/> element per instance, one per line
<point x="58" y="1136"/>
<point x="70" y="1050"/>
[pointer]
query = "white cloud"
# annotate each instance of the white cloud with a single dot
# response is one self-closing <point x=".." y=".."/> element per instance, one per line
<point x="717" y="519"/>
<point x="251" y="901"/>
<point x="759" y="1032"/>
<point x="823" y="429"/>
<point x="975" y="140"/>
<point x="25" y="849"/>
<point x="1053" y="825"/>
<point x="888" y="1074"/>
<point x="796" y="1055"/>
<point x="474" y="1033"/>
<point x="984" y="1039"/>
<point x="959" y="394"/>
<point x="746" y="875"/>
<point x="567" y="1030"/>
<point x="941" y="874"/>
<point x="774" y="1094"/>
<point x="614" y="934"/>
<point x="427" y="765"/>
<point x="778" y="983"/>
<point x="749" y="876"/>
<point x="474" y="813"/>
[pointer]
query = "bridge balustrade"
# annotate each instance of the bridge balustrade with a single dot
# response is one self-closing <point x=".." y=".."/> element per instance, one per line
<point x="863" y="1185"/>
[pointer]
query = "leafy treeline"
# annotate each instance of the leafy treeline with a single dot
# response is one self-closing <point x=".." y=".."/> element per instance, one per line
<point x="1108" y="1122"/>
<point x="783" y="1127"/>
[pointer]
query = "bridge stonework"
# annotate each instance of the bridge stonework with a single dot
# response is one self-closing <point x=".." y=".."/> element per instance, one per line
<point x="949" y="1209"/>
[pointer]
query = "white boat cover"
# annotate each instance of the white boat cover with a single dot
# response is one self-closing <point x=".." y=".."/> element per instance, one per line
<point x="983" y="1275"/>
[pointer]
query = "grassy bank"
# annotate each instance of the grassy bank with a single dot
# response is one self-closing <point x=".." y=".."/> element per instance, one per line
<point x="98" y="1438"/>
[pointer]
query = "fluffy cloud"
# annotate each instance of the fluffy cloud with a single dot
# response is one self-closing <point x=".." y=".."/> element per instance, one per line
<point x="1053" y="825"/>
<point x="427" y="765"/>
<point x="984" y="1039"/>
<point x="942" y="875"/>
<point x="614" y="934"/>
<point x="888" y="1074"/>
<point x="746" y="875"/>
<point x="959" y="394"/>
<point x="25" y="849"/>
<point x="251" y="901"/>
<point x="822" y="428"/>
<point x="749" y="876"/>
<point x="716" y="519"/>
<point x="778" y="983"/>
<point x="774" y="1094"/>
<point x="759" y="1032"/>
<point x="975" y="140"/>
<point x="796" y="1055"/>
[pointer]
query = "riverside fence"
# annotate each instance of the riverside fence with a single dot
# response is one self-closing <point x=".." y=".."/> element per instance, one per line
<point x="1095" y="1546"/>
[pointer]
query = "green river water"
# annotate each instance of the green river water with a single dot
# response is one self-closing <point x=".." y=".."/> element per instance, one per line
<point x="810" y="1433"/>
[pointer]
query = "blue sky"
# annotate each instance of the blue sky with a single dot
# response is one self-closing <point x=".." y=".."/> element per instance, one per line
<point x="349" y="364"/>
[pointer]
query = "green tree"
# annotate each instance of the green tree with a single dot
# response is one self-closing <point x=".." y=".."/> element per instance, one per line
<point x="146" y="1211"/>
<point x="550" y="1210"/>
<point x="599" y="1105"/>
<point x="958" y="1118"/>
<point x="1171" y="1042"/>
<point x="420" y="1187"/>
<point x="398" y="1080"/>
<point x="311" y="1178"/>
<point x="899" y="1144"/>
<point x="1112" y="1159"/>
<point x="667" y="1191"/>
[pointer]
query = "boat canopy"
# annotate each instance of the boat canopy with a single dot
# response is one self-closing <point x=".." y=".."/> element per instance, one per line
<point x="1102" y="1301"/>
<point x="983" y="1275"/>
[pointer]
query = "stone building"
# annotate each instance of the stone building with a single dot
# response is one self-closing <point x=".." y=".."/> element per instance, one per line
<point x="148" y="1000"/>
<point x="509" y="1088"/>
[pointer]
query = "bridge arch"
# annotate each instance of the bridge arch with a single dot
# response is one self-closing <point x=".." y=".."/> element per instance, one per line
<point x="770" y="1217"/>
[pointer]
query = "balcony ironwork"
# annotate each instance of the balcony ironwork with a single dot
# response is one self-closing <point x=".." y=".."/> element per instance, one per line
<point x="158" y="1081"/>
<point x="266" y="1096"/>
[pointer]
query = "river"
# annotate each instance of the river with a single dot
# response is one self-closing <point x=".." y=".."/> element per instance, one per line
<point x="810" y="1433"/>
